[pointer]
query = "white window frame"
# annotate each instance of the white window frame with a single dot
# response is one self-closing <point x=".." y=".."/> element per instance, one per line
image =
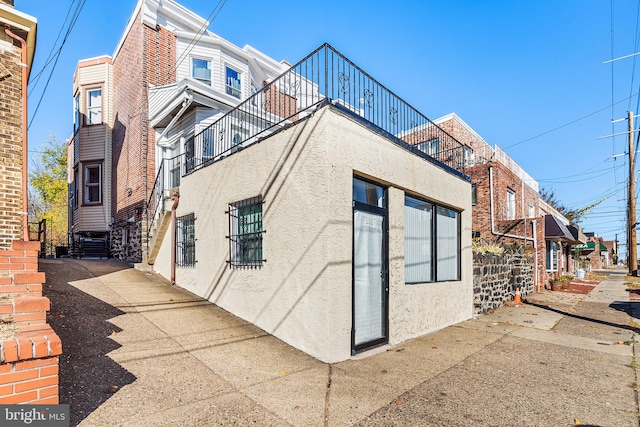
<point x="94" y="112"/>
<point x="204" y="80"/>
<point x="87" y="185"/>
<point x="229" y="88"/>
<point x="552" y="249"/>
<point x="511" y="204"/>
<point x="76" y="113"/>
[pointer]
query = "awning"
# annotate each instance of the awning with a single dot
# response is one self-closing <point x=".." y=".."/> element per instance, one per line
<point x="601" y="246"/>
<point x="556" y="230"/>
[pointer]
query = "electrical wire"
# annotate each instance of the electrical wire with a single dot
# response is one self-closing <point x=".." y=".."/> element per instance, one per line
<point x="571" y="122"/>
<point x="74" y="19"/>
<point x="34" y="79"/>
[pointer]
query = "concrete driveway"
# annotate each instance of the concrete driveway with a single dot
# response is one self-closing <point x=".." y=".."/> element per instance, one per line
<point x="138" y="352"/>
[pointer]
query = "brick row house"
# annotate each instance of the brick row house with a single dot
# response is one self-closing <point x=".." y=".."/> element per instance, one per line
<point x="508" y="210"/>
<point x="29" y="348"/>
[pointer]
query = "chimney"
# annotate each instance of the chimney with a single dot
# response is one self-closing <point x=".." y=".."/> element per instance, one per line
<point x="7" y="2"/>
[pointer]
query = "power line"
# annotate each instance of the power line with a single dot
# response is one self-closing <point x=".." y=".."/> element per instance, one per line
<point x="571" y="122"/>
<point x="34" y="80"/>
<point x="74" y="19"/>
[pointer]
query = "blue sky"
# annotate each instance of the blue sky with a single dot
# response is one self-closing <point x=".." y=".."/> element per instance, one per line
<point x="526" y="75"/>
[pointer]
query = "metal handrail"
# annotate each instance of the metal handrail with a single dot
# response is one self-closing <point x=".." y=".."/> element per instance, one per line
<point x="325" y="75"/>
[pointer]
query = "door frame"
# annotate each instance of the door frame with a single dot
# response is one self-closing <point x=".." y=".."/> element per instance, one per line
<point x="384" y="213"/>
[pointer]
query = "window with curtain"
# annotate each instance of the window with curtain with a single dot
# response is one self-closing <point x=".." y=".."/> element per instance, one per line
<point x="447" y="244"/>
<point x="511" y="204"/>
<point x="201" y="70"/>
<point x="233" y="82"/>
<point x="552" y="256"/>
<point x="432" y="242"/>
<point x="76" y="113"/>
<point x="418" y="244"/>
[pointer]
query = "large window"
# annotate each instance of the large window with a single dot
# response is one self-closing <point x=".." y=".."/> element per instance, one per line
<point x="233" y="85"/>
<point x="94" y="106"/>
<point x="93" y="184"/>
<point x="418" y="242"/>
<point x="186" y="241"/>
<point x="447" y="244"/>
<point x="432" y="242"/>
<point x="245" y="233"/>
<point x="201" y="70"/>
<point x="511" y="204"/>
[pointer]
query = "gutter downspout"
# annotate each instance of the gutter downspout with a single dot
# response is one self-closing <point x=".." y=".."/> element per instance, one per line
<point x="176" y="201"/>
<point x="493" y="225"/>
<point x="25" y="176"/>
<point x="496" y="233"/>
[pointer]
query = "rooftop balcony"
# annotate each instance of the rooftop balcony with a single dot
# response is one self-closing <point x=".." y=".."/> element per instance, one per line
<point x="324" y="76"/>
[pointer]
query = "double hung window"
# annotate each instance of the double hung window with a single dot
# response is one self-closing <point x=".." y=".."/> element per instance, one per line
<point x="92" y="184"/>
<point x="94" y="106"/>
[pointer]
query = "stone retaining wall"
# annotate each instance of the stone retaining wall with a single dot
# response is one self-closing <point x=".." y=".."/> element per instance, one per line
<point x="496" y="277"/>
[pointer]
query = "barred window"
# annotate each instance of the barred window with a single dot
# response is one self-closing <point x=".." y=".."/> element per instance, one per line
<point x="245" y="233"/>
<point x="186" y="240"/>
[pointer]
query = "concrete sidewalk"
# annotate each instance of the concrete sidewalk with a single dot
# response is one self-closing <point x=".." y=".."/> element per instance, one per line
<point x="192" y="363"/>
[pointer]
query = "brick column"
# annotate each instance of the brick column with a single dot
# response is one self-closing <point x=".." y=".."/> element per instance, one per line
<point x="29" y="357"/>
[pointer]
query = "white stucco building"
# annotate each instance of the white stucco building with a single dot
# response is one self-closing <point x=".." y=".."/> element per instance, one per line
<point x="317" y="221"/>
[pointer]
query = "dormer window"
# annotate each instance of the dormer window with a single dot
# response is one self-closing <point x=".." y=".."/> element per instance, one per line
<point x="201" y="70"/>
<point x="94" y="106"/>
<point x="233" y="82"/>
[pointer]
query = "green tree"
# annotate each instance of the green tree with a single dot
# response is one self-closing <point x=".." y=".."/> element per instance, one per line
<point x="49" y="199"/>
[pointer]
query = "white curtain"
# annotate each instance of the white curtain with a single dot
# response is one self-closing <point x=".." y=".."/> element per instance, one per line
<point x="447" y="243"/>
<point x="368" y="295"/>
<point x="417" y="242"/>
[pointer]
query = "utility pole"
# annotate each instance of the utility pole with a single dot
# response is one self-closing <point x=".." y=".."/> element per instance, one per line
<point x="632" y="249"/>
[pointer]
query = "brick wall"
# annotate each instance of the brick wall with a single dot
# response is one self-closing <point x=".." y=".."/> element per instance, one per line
<point x="11" y="192"/>
<point x="147" y="56"/>
<point x="30" y="348"/>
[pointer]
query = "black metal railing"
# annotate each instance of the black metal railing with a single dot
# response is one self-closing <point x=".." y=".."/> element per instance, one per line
<point x="168" y="177"/>
<point x="325" y="75"/>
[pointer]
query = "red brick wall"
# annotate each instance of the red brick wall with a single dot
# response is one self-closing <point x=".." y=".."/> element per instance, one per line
<point x="11" y="192"/>
<point x="147" y="56"/>
<point x="28" y="359"/>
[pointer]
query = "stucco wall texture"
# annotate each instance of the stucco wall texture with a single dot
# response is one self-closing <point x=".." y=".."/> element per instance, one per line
<point x="303" y="292"/>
